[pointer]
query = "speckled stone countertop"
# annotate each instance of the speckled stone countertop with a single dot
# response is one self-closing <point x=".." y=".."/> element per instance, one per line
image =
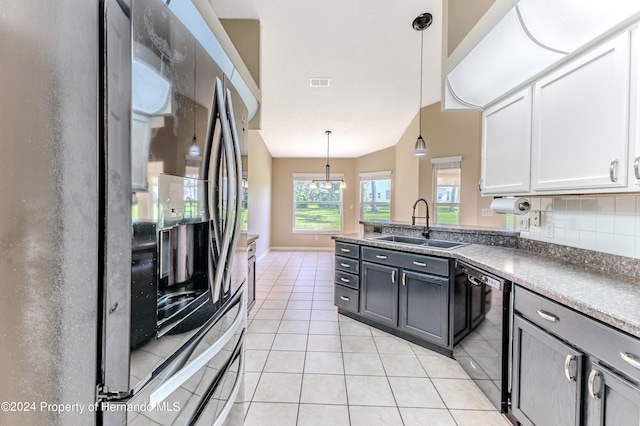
<point x="611" y="299"/>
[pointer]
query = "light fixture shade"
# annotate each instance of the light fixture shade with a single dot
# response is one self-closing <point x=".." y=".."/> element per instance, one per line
<point x="313" y="185"/>
<point x="327" y="185"/>
<point x="420" y="148"/>
<point x="194" y="150"/>
<point x="343" y="185"/>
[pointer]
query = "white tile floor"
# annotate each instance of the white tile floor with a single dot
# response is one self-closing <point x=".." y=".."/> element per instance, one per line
<point x="308" y="365"/>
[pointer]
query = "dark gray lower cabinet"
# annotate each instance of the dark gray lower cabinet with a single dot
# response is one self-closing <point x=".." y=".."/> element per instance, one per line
<point x="611" y="400"/>
<point x="413" y="302"/>
<point x="547" y="378"/>
<point x="569" y="369"/>
<point x="423" y="306"/>
<point x="379" y="294"/>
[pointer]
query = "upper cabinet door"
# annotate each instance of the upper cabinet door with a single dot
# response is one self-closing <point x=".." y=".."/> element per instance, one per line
<point x="506" y="146"/>
<point x="580" y="122"/>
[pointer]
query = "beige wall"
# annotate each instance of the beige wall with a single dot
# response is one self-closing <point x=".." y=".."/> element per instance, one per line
<point x="449" y="134"/>
<point x="460" y="17"/>
<point x="282" y="200"/>
<point x="260" y="190"/>
<point x="407" y="174"/>
<point x="245" y="36"/>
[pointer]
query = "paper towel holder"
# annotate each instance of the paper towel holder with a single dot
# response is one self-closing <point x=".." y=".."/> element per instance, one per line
<point x="510" y="205"/>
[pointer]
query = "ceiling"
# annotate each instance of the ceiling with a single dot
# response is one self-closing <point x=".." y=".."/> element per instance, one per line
<point x="367" y="48"/>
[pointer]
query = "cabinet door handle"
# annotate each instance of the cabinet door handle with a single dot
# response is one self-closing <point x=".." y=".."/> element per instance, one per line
<point x="404" y="279"/>
<point x="345" y="280"/>
<point x="480" y="185"/>
<point x="636" y="167"/>
<point x="630" y="359"/>
<point x="548" y="316"/>
<point x="345" y="298"/>
<point x="344" y="250"/>
<point x="380" y="256"/>
<point x="592" y="379"/>
<point x="570" y="367"/>
<point x="419" y="263"/>
<point x="393" y="276"/>
<point x="345" y="265"/>
<point x="613" y="170"/>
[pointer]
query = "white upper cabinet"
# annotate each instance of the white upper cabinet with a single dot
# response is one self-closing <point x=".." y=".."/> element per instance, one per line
<point x="580" y="135"/>
<point x="506" y="146"/>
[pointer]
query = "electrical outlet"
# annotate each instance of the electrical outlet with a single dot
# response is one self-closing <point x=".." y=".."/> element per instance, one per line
<point x="535" y="218"/>
<point x="523" y="223"/>
<point x="487" y="212"/>
<point x="549" y="230"/>
<point x="316" y="238"/>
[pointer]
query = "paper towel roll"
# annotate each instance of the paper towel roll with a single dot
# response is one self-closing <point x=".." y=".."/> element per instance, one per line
<point x="510" y="205"/>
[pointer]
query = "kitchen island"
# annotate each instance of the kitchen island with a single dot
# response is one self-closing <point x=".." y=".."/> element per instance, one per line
<point x="608" y="297"/>
<point x="574" y="337"/>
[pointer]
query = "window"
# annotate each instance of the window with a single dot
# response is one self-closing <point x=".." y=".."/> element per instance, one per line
<point x="317" y="210"/>
<point x="446" y="176"/>
<point x="375" y="196"/>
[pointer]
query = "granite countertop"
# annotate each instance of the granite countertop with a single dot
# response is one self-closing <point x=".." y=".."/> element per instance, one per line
<point x="611" y="299"/>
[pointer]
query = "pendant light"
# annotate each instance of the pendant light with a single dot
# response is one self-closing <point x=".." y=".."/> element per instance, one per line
<point x="327" y="168"/>
<point x="422" y="22"/>
<point x="194" y="149"/>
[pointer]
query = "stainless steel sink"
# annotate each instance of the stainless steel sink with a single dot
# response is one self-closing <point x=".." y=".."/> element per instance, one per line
<point x="417" y="241"/>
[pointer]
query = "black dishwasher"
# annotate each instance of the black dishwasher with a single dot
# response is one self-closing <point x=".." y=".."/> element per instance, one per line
<point x="484" y="352"/>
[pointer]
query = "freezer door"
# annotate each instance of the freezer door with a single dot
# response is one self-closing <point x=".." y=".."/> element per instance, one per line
<point x="200" y="379"/>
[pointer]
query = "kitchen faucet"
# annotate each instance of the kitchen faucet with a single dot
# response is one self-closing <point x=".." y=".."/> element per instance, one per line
<point x="425" y="233"/>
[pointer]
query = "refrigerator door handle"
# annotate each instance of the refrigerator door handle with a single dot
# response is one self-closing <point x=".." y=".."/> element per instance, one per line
<point x="224" y="242"/>
<point x="237" y="179"/>
<point x="234" y="393"/>
<point x="178" y="379"/>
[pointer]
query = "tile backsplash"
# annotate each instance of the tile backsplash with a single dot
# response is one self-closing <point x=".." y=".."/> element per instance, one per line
<point x="605" y="223"/>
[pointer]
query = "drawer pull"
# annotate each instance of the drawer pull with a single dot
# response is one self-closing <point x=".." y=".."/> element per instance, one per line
<point x="547" y="316"/>
<point x="592" y="388"/>
<point x="344" y="250"/>
<point x="345" y="298"/>
<point x="345" y="280"/>
<point x="419" y="263"/>
<point x="630" y="359"/>
<point x="380" y="256"/>
<point x="345" y="265"/>
<point x="570" y="367"/>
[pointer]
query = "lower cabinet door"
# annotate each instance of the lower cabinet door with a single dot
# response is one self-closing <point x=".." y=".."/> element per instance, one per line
<point x="424" y="306"/>
<point x="379" y="293"/>
<point x="611" y="400"/>
<point x="547" y="377"/>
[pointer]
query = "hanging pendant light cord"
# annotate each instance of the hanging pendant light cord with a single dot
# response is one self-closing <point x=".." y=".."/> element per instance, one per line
<point x="328" y="132"/>
<point x="421" y="61"/>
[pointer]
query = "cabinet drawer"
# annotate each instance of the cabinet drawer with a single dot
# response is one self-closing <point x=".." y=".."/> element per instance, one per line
<point x="612" y="346"/>
<point x="346" y="298"/>
<point x="349" y="280"/>
<point x="347" y="265"/>
<point x="348" y="250"/>
<point x="416" y="262"/>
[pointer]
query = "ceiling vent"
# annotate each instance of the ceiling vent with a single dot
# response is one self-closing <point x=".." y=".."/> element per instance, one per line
<point x="319" y="82"/>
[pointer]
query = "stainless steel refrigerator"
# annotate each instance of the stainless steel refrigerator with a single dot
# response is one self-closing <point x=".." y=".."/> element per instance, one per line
<point x="123" y="265"/>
